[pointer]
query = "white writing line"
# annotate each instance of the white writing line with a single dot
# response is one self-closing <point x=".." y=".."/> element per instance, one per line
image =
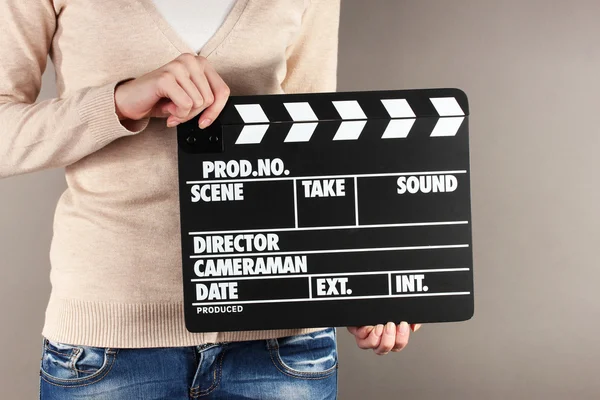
<point x="283" y="253"/>
<point x="222" y="303"/>
<point x="325" y="177"/>
<point x="310" y="276"/>
<point x="295" y="205"/>
<point x="324" y="228"/>
<point x="356" y="200"/>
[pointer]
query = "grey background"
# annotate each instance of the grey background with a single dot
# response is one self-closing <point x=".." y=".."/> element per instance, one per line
<point x="531" y="70"/>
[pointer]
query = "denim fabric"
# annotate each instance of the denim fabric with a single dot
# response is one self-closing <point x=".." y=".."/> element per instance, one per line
<point x="295" y="367"/>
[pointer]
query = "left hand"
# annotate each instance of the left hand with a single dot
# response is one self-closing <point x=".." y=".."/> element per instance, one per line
<point x="383" y="338"/>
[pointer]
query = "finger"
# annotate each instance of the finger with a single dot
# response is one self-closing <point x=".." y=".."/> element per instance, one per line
<point x="181" y="68"/>
<point x="194" y="71"/>
<point x="361" y="332"/>
<point x="402" y="335"/>
<point x="371" y="341"/>
<point x="192" y="91"/>
<point x="197" y="67"/>
<point x="167" y="111"/>
<point x="388" y="339"/>
<point x="161" y="108"/>
<point x="193" y="112"/>
<point x="415" y="327"/>
<point x="221" y="93"/>
<point x="181" y="103"/>
<point x="173" y="121"/>
<point x="207" y="94"/>
<point x="201" y="84"/>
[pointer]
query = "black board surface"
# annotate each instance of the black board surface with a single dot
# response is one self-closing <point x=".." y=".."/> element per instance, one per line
<point x="332" y="209"/>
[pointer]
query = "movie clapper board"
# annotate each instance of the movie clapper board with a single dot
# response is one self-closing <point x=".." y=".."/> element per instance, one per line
<point x="334" y="209"/>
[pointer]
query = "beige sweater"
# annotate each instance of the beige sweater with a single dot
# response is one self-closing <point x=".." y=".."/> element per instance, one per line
<point x="115" y="255"/>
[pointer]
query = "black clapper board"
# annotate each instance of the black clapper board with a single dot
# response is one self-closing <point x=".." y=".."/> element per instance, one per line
<point x="334" y="209"/>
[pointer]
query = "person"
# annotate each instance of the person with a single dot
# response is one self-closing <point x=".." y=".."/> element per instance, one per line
<point x="127" y="73"/>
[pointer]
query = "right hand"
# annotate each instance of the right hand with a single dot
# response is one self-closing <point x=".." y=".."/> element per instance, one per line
<point x="178" y="91"/>
<point x="383" y="338"/>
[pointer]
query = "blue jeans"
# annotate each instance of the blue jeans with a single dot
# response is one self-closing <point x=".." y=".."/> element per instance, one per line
<point x="295" y="367"/>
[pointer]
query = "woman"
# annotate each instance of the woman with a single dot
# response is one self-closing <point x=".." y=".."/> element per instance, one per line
<point x="127" y="73"/>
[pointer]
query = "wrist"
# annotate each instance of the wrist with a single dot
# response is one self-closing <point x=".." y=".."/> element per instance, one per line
<point x="118" y="99"/>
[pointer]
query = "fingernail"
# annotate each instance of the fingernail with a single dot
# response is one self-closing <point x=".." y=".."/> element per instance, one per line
<point x="389" y="328"/>
<point x="378" y="330"/>
<point x="205" y="122"/>
<point x="403" y="328"/>
<point x="171" y="124"/>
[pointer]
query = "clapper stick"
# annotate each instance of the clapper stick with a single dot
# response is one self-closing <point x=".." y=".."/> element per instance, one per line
<point x="333" y="209"/>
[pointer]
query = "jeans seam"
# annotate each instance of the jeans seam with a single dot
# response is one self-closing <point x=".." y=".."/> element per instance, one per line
<point x="85" y="371"/>
<point x="73" y="360"/>
<point x="92" y="379"/>
<point x="197" y="393"/>
<point x="278" y="363"/>
<point x="66" y="354"/>
<point x="44" y="341"/>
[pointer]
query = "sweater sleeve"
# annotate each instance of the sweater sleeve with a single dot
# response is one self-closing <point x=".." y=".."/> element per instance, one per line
<point x="52" y="133"/>
<point x="312" y="58"/>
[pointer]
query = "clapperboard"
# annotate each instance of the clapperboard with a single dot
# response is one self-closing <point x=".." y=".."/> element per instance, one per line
<point x="335" y="209"/>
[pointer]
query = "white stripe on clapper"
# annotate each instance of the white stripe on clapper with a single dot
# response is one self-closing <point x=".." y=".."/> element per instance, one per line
<point x="447" y="106"/>
<point x="350" y="110"/>
<point x="301" y="132"/>
<point x="301" y="112"/>
<point x="398" y="108"/>
<point x="252" y="114"/>
<point x="398" y="128"/>
<point x="447" y="126"/>
<point x="252" y="134"/>
<point x="350" y="130"/>
<point x="451" y="116"/>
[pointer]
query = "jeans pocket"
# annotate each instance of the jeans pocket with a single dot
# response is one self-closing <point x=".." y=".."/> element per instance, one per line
<point x="309" y="356"/>
<point x="74" y="366"/>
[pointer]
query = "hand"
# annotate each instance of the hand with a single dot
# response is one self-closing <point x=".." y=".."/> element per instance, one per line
<point x="383" y="339"/>
<point x="178" y="91"/>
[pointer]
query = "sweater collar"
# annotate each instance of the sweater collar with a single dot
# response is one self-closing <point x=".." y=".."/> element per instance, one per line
<point x="213" y="43"/>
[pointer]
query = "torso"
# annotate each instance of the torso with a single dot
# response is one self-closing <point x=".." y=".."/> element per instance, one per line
<point x="116" y="235"/>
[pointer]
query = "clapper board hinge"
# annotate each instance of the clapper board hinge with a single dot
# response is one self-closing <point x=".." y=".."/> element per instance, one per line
<point x="192" y="139"/>
<point x="253" y="133"/>
<point x="234" y="124"/>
